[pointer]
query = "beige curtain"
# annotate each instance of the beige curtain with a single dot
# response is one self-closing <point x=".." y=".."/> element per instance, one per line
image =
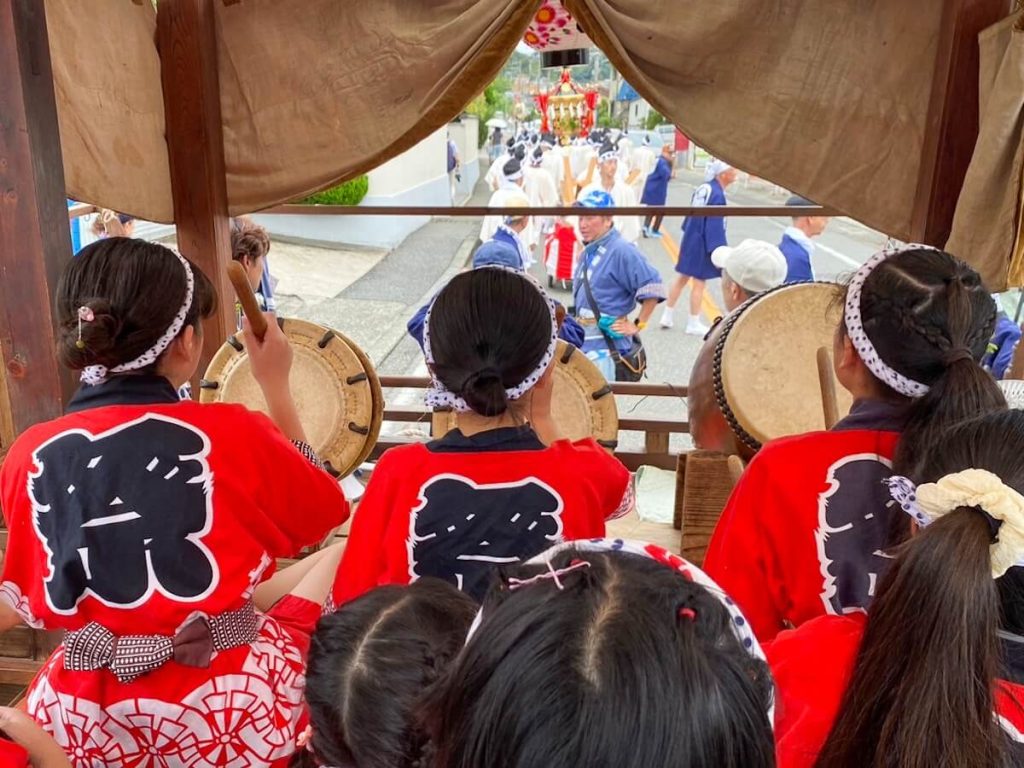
<point x="312" y="91"/>
<point x="825" y="97"/>
<point x="987" y="225"/>
<point x="315" y="91"/>
<point x="110" y="106"/>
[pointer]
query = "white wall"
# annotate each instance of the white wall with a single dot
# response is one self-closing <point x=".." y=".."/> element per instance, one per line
<point x="466" y="136"/>
<point x="419" y="176"/>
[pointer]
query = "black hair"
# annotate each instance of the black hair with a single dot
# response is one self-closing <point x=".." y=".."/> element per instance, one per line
<point x="489" y="330"/>
<point x="511" y="167"/>
<point x="921" y="692"/>
<point x="369" y="666"/>
<point x="134" y="289"/>
<point x="930" y="318"/>
<point x="629" y="665"/>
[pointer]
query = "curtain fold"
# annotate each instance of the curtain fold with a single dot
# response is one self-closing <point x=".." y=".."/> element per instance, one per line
<point x="987" y="226"/>
<point x="110" y="107"/>
<point x="318" y="91"/>
<point x="825" y="97"/>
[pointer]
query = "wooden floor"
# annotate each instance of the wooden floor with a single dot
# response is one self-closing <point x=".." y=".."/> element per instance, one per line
<point x="632" y="527"/>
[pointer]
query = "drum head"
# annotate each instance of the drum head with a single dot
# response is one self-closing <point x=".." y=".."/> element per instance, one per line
<point x="582" y="403"/>
<point x="333" y="391"/>
<point x="768" y="369"/>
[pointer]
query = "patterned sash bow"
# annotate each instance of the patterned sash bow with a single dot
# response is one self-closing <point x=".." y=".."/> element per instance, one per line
<point x="95" y="647"/>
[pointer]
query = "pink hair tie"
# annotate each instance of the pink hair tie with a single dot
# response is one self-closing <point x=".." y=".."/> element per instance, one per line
<point x="551" y="573"/>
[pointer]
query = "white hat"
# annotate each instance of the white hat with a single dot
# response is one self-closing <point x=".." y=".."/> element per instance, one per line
<point x="714" y="168"/>
<point x="754" y="265"/>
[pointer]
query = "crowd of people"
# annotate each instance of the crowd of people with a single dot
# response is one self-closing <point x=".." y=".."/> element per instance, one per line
<point x="859" y="604"/>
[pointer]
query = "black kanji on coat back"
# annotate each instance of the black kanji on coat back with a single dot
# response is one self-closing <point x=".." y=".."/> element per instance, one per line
<point x="462" y="530"/>
<point x="855" y="521"/>
<point x="122" y="514"/>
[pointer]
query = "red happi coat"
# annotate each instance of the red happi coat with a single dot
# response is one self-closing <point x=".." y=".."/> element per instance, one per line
<point x="459" y="506"/>
<point x="802" y="531"/>
<point x="812" y="667"/>
<point x="140" y="518"/>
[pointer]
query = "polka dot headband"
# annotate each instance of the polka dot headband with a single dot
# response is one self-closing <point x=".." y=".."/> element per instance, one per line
<point x="738" y="622"/>
<point x="855" y="327"/>
<point x="438" y="396"/>
<point x="97" y="374"/>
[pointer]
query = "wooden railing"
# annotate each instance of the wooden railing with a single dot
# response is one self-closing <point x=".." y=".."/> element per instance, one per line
<point x="657" y="432"/>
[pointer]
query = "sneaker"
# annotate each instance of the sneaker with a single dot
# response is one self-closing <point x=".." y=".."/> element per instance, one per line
<point x="645" y="232"/>
<point x="695" y="326"/>
<point x="666" y="318"/>
<point x="655" y="233"/>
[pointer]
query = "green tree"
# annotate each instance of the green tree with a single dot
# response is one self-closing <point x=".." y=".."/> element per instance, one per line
<point x="654" y="119"/>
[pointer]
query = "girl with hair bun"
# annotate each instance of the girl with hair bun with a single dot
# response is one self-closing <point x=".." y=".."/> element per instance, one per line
<point x="134" y="527"/>
<point x="505" y="485"/>
<point x="933" y="674"/>
<point x="806" y="529"/>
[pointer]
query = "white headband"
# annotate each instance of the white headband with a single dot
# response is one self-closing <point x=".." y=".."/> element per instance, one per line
<point x="610" y="155"/>
<point x="738" y="622"/>
<point x="438" y="396"/>
<point x="855" y="327"/>
<point x="514" y="176"/>
<point x="97" y="374"/>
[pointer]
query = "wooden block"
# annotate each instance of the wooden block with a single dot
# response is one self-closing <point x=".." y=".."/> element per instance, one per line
<point x="708" y="480"/>
<point x="18" y="643"/>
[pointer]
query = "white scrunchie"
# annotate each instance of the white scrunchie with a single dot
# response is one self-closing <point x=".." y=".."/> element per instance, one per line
<point x="855" y="326"/>
<point x="438" y="396"/>
<point x="97" y="374"/>
<point x="969" y="488"/>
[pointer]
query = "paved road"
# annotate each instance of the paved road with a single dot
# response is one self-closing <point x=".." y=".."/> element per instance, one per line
<point x="373" y="310"/>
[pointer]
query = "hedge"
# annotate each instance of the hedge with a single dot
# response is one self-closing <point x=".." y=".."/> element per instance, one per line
<point x="349" y="193"/>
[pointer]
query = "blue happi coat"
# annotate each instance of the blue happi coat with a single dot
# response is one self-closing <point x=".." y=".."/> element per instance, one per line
<point x="702" y="234"/>
<point x="620" y="277"/>
<point x="656" y="186"/>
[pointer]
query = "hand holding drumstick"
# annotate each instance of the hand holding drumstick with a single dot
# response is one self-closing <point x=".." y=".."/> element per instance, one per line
<point x="270" y="356"/>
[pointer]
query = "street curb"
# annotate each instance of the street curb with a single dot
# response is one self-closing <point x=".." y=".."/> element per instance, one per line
<point x="456" y="265"/>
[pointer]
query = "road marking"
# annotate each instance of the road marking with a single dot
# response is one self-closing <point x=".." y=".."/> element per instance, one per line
<point x="830" y="251"/>
<point x="707" y="304"/>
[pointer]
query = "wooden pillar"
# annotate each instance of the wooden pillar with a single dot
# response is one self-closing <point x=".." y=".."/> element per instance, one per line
<point x="35" y="239"/>
<point x="186" y="39"/>
<point x="951" y="126"/>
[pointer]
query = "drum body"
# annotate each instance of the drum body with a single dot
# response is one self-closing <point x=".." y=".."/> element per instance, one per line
<point x="756" y="377"/>
<point x="336" y="391"/>
<point x="582" y="403"/>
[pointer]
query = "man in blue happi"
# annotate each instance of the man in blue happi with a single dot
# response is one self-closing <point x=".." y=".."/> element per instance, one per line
<point x="1005" y="338"/>
<point x="618" y="276"/>
<point x="796" y="244"/>
<point x="701" y="235"/>
<point x="498" y="253"/>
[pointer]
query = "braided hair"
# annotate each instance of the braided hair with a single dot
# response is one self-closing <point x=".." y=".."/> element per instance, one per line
<point x="930" y="317"/>
<point x="369" y="666"/>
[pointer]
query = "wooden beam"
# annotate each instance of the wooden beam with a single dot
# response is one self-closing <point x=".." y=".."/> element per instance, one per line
<point x="186" y="40"/>
<point x="35" y="240"/>
<point x="951" y="126"/>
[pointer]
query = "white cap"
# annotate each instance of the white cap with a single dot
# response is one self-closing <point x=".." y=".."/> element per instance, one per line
<point x="754" y="265"/>
<point x="714" y="168"/>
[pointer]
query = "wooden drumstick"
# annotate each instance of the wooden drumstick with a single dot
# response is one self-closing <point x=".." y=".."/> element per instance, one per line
<point x="829" y="404"/>
<point x="251" y="308"/>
